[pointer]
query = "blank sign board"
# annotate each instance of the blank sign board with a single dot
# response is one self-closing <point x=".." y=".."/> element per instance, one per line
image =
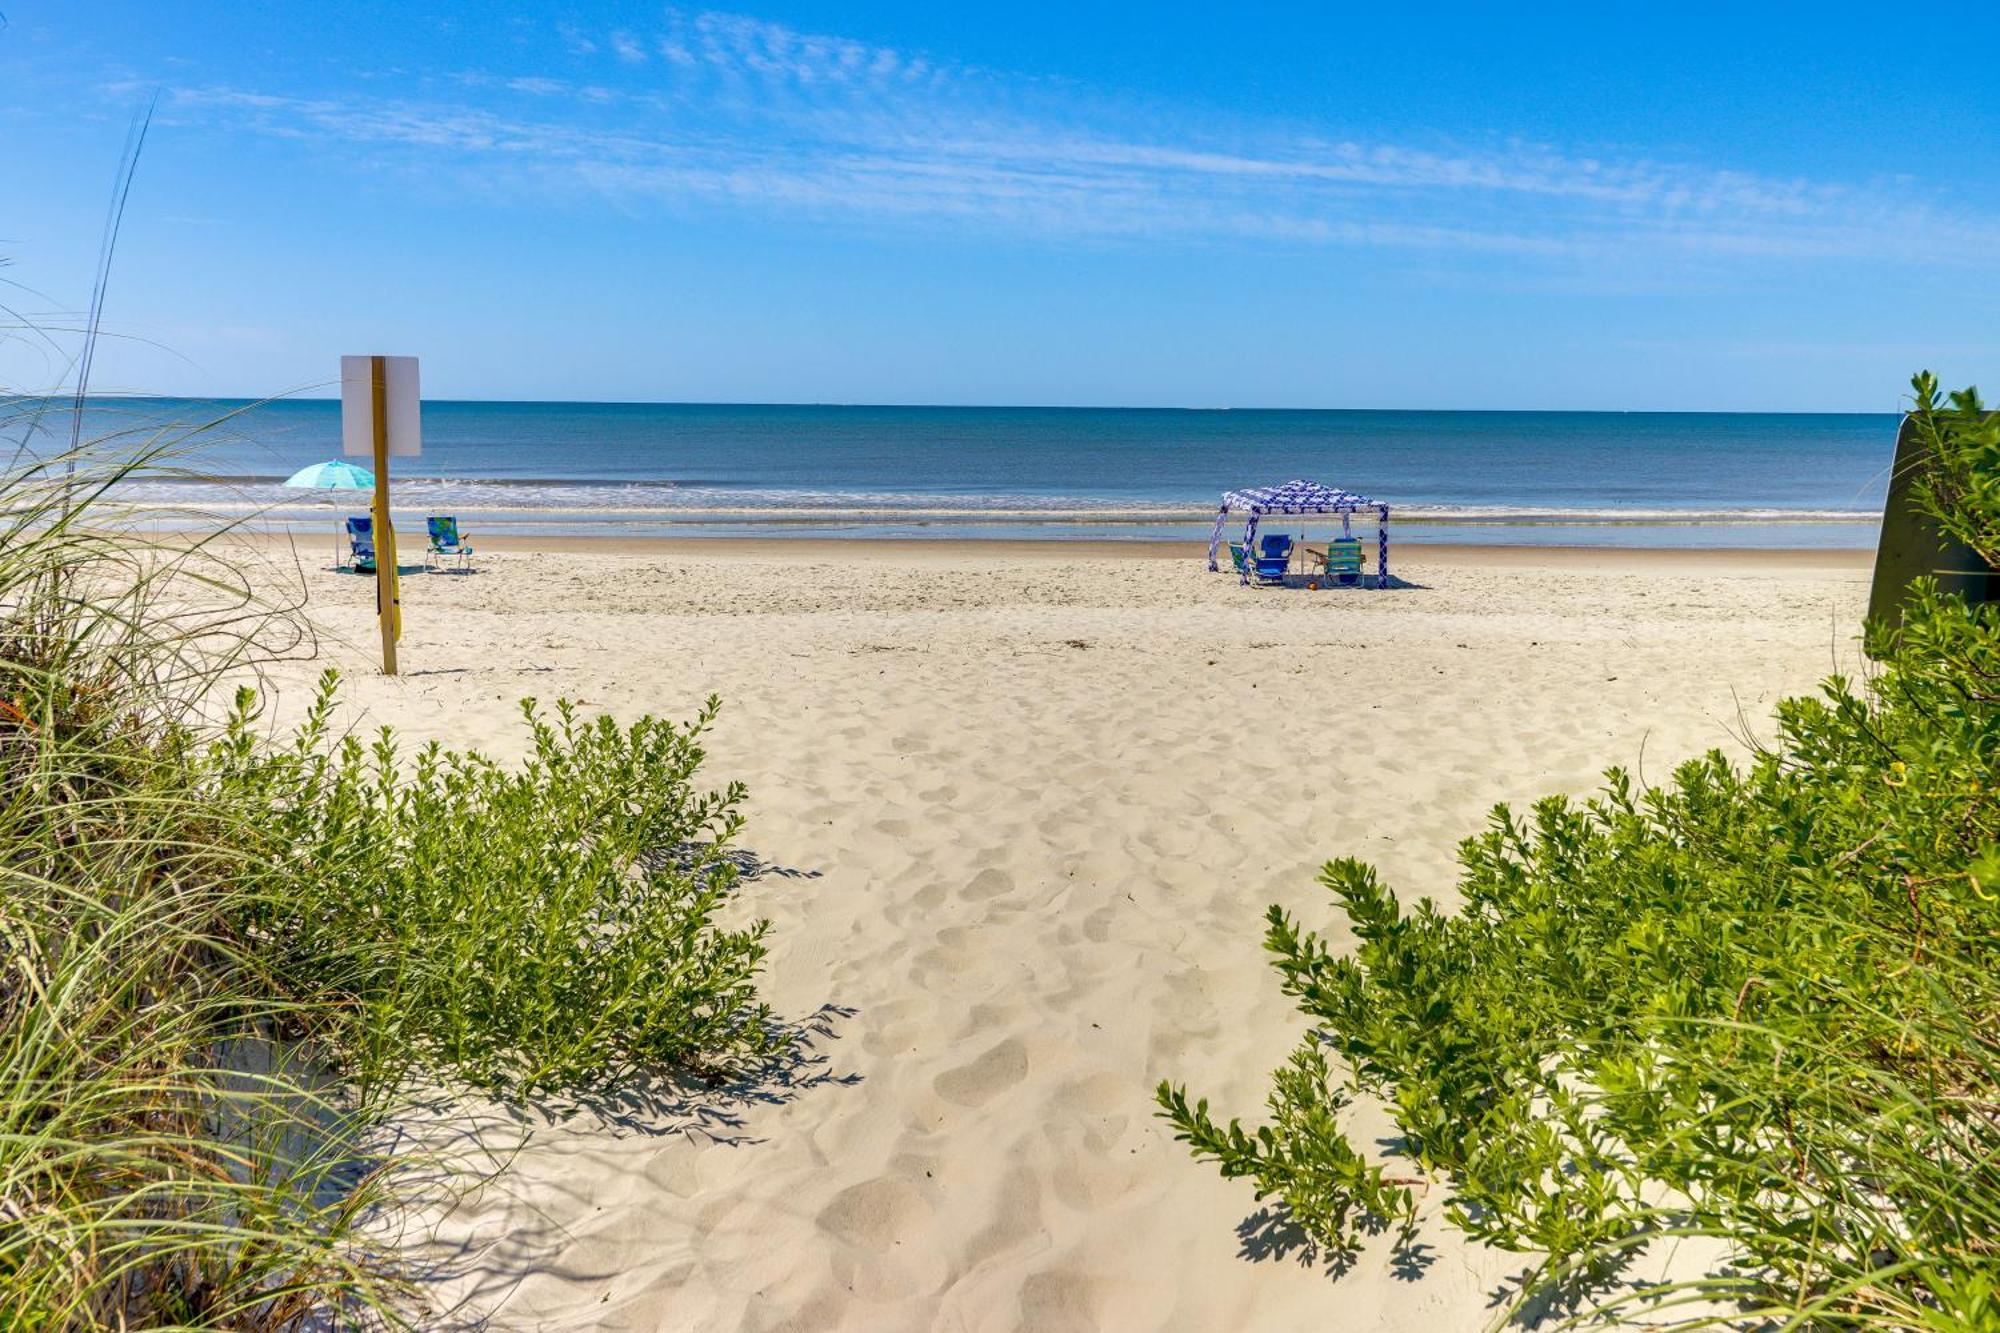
<point x="357" y="406"/>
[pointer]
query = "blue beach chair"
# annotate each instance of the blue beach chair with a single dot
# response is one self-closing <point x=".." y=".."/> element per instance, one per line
<point x="1274" y="558"/>
<point x="446" y="543"/>
<point x="360" y="555"/>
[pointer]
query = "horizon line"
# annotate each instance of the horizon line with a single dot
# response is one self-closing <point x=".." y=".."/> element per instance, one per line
<point x="854" y="405"/>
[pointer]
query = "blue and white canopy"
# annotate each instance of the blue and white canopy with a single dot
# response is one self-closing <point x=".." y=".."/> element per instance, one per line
<point x="1296" y="497"/>
<point x="1300" y="496"/>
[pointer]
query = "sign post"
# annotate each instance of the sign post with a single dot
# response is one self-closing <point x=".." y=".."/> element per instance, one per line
<point x="388" y="592"/>
<point x="381" y="418"/>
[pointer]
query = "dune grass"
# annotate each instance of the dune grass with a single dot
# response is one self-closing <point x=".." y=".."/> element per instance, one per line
<point x="142" y="1181"/>
<point x="1758" y="1007"/>
<point x="227" y="955"/>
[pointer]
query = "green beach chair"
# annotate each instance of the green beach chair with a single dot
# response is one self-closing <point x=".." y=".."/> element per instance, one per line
<point x="1341" y="561"/>
<point x="446" y="543"/>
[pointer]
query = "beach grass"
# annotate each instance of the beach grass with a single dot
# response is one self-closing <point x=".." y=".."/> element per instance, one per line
<point x="143" y="1179"/>
<point x="228" y="957"/>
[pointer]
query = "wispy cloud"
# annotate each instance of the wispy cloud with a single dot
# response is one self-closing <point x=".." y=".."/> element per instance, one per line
<point x="728" y="111"/>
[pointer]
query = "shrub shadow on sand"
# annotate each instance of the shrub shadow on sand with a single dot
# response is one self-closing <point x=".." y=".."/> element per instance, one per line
<point x="1272" y="1235"/>
<point x="469" y="1145"/>
<point x="694" y="857"/>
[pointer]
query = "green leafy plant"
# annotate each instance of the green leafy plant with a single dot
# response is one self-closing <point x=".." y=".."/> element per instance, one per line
<point x="546" y="926"/>
<point x="1959" y="479"/>
<point x="1756" y="1004"/>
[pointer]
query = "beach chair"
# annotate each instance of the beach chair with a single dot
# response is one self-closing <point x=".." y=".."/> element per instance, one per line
<point x="1239" y="557"/>
<point x="360" y="555"/>
<point x="1274" y="558"/>
<point x="446" y="543"/>
<point x="1341" y="561"/>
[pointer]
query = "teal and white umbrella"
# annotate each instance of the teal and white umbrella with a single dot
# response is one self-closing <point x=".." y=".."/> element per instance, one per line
<point x="335" y="475"/>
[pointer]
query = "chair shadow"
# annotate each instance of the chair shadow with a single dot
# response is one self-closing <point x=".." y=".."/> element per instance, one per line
<point x="1367" y="583"/>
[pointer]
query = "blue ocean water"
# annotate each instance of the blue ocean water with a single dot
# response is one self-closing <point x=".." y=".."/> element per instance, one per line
<point x="1627" y="478"/>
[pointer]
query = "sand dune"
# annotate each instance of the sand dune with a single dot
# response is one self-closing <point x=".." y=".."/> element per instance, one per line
<point x="1020" y="816"/>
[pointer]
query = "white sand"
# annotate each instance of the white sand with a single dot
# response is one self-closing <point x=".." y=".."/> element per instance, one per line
<point x="1038" y="804"/>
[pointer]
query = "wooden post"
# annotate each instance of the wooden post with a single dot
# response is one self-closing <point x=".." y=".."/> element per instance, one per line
<point x="387" y="596"/>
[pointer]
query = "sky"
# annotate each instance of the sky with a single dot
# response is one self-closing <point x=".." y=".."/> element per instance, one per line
<point x="1660" y="207"/>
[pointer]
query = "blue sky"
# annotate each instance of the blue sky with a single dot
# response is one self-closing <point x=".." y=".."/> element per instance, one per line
<point x="1687" y="206"/>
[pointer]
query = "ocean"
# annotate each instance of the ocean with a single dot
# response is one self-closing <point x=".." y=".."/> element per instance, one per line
<point x="1621" y="478"/>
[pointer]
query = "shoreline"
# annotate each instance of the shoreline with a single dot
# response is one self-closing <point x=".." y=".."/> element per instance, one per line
<point x="1081" y="511"/>
<point x="291" y="509"/>
<point x="1459" y="555"/>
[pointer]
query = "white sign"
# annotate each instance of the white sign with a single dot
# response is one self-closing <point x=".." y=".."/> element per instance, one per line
<point x="357" y="406"/>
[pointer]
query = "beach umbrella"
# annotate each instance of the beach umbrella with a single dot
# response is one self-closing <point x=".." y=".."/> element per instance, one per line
<point x="335" y="475"/>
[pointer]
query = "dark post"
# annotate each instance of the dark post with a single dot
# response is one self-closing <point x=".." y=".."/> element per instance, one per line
<point x="1912" y="545"/>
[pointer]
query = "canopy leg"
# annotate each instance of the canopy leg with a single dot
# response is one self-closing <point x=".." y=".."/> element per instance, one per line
<point x="1382" y="549"/>
<point x="1215" y="536"/>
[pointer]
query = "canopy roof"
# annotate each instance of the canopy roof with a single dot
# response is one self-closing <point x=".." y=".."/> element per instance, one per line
<point x="1296" y="497"/>
<point x="338" y="475"/>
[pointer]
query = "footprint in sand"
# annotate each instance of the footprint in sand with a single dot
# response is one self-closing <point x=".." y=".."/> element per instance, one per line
<point x="989" y="884"/>
<point x="1099" y="1094"/>
<point x="1015" y="1220"/>
<point x="887" y="1225"/>
<point x="875" y="1213"/>
<point x="1061" y="1300"/>
<point x="979" y="1082"/>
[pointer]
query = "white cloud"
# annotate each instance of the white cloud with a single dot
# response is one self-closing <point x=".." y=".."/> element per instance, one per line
<point x="732" y="111"/>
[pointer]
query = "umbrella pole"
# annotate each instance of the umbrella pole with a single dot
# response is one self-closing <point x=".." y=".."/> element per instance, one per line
<point x="388" y="606"/>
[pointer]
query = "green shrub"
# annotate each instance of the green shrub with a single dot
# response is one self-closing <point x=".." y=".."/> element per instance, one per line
<point x="546" y="926"/>
<point x="1756" y="1004"/>
<point x="1960" y="481"/>
<point x="222" y="959"/>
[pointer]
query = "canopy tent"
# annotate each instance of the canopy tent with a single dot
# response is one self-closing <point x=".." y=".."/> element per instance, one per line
<point x="1301" y="497"/>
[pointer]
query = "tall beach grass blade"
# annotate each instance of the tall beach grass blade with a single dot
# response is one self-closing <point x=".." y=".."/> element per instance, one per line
<point x="128" y="166"/>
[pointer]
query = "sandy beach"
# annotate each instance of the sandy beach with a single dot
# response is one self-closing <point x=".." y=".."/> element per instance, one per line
<point x="1019" y="810"/>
